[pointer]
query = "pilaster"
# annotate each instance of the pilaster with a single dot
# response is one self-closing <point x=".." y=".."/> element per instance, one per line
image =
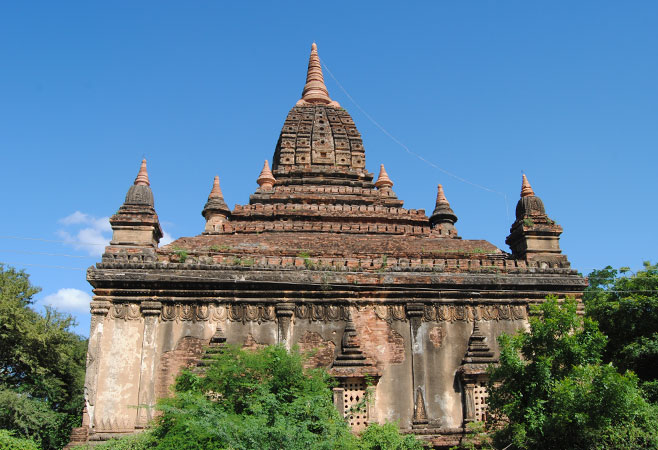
<point x="151" y="313"/>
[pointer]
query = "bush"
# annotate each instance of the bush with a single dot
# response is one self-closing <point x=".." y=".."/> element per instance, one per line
<point x="9" y="442"/>
<point x="263" y="399"/>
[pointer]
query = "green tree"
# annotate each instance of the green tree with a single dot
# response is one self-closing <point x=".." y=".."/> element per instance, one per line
<point x="263" y="399"/>
<point x="42" y="366"/>
<point x="625" y="305"/>
<point x="551" y="391"/>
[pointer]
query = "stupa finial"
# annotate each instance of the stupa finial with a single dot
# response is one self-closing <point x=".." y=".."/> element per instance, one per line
<point x="142" y="176"/>
<point x="383" y="181"/>
<point x="266" y="180"/>
<point x="526" y="189"/>
<point x="216" y="191"/>
<point x="441" y="197"/>
<point x="315" y="90"/>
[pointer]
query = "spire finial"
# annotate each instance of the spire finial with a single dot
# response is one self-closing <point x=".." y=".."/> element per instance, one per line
<point x="383" y="181"/>
<point x="526" y="189"/>
<point x="441" y="197"/>
<point x="142" y="176"/>
<point x="315" y="90"/>
<point x="216" y="191"/>
<point x="266" y="180"/>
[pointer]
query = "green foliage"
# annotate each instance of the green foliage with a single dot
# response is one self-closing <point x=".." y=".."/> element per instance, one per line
<point x="528" y="223"/>
<point x="263" y="399"/>
<point x="550" y="390"/>
<point x="626" y="307"/>
<point x="387" y="437"/>
<point x="141" y="441"/>
<point x="476" y="438"/>
<point x="260" y="399"/>
<point x="9" y="442"/>
<point x="42" y="366"/>
<point x="181" y="253"/>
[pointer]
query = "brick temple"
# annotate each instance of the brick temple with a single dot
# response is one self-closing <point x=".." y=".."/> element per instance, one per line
<point x="325" y="257"/>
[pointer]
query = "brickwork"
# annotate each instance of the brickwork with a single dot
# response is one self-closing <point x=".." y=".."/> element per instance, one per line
<point x="250" y="343"/>
<point x="437" y="335"/>
<point x="186" y="354"/>
<point x="320" y="351"/>
<point x="382" y="343"/>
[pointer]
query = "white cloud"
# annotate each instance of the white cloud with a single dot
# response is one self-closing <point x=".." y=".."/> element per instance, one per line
<point x="166" y="239"/>
<point x="69" y="299"/>
<point x="92" y="234"/>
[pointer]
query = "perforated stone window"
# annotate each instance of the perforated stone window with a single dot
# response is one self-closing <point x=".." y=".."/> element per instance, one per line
<point x="480" y="396"/>
<point x="349" y="399"/>
<point x="355" y="411"/>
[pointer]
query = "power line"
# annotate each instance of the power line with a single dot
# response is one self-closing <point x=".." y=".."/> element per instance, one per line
<point x="48" y="240"/>
<point x="409" y="151"/>
<point x="40" y="265"/>
<point x="25" y="252"/>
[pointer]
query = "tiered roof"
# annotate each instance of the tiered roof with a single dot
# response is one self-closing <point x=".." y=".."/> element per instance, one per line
<point x="318" y="200"/>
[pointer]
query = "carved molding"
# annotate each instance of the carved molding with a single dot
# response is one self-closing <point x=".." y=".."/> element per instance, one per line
<point x="436" y="312"/>
<point x="251" y="313"/>
<point x="390" y="313"/>
<point x="125" y="311"/>
<point x="185" y="312"/>
<point x="99" y="308"/>
<point x="454" y="312"/>
<point x="322" y="313"/>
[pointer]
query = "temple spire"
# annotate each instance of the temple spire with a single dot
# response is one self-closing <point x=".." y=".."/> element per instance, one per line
<point x="443" y="218"/>
<point x="216" y="212"/>
<point x="315" y="90"/>
<point x="266" y="180"/>
<point x="143" y="176"/>
<point x="216" y="191"/>
<point x="526" y="189"/>
<point x="383" y="181"/>
<point x="534" y="235"/>
<point x="441" y="196"/>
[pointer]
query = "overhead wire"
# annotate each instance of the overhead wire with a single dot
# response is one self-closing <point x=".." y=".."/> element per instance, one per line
<point x="408" y="150"/>
<point x="64" y="255"/>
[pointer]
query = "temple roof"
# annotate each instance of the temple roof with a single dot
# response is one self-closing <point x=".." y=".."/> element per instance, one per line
<point x="318" y="199"/>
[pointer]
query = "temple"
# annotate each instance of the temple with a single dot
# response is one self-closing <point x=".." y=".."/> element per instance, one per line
<point x="327" y="258"/>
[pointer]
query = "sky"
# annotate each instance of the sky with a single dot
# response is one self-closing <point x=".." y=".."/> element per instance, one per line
<point x="467" y="94"/>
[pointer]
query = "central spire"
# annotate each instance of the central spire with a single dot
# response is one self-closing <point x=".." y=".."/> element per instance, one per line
<point x="314" y="90"/>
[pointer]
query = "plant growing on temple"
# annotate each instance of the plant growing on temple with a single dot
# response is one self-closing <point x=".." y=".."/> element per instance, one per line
<point x="42" y="366"/>
<point x="552" y="391"/>
<point x="625" y="304"/>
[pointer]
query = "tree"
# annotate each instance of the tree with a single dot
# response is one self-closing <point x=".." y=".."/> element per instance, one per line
<point x="261" y="399"/>
<point x="42" y="366"/>
<point x="551" y="390"/>
<point x="625" y="305"/>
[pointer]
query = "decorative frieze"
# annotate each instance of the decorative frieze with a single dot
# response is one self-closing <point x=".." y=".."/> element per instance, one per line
<point x="427" y="312"/>
<point x="390" y="312"/>
<point x="321" y="313"/>
<point x="186" y="312"/>
<point x="125" y="311"/>
<point x="251" y="313"/>
<point x="453" y="312"/>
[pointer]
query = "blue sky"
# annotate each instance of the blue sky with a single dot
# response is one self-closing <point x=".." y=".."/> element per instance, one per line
<point x="565" y="91"/>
